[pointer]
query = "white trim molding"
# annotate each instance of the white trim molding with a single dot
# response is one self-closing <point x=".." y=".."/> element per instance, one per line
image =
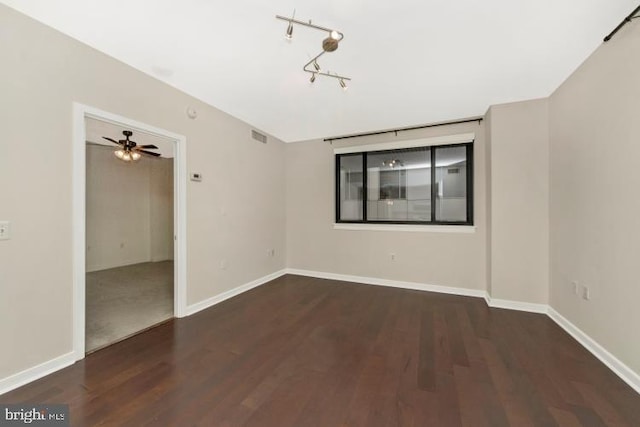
<point x="625" y="373"/>
<point x="460" y="229"/>
<point x="516" y="305"/>
<point x="36" y="372"/>
<point x="390" y="283"/>
<point x="217" y="299"/>
<point x="411" y="143"/>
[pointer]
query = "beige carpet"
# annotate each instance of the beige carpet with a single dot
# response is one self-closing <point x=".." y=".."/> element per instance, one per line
<point x="125" y="300"/>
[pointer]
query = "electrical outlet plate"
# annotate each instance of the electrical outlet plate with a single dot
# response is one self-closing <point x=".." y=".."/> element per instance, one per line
<point x="5" y="230"/>
<point x="585" y="293"/>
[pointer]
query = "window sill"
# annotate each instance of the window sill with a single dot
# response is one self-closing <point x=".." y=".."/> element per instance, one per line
<point x="465" y="229"/>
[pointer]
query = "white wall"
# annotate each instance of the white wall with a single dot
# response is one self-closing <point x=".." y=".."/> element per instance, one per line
<point x="445" y="259"/>
<point x="519" y="181"/>
<point x="232" y="217"/>
<point x="129" y="210"/>
<point x="595" y="207"/>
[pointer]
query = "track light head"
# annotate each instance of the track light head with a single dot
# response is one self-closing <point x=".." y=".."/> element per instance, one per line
<point x="289" y="33"/>
<point x="343" y="84"/>
<point x="313" y="77"/>
<point x="316" y="65"/>
<point x="335" y="35"/>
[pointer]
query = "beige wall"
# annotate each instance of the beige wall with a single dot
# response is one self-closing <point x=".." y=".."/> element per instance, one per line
<point x="129" y="208"/>
<point x="595" y="207"/>
<point x="488" y="123"/>
<point x="161" y="209"/>
<point x="234" y="215"/>
<point x="237" y="213"/>
<point x="519" y="189"/>
<point x="444" y="259"/>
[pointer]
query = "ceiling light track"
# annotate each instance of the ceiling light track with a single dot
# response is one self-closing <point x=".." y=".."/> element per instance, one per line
<point x="330" y="44"/>
<point x="633" y="15"/>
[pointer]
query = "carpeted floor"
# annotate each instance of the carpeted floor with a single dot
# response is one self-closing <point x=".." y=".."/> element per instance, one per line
<point x="125" y="300"/>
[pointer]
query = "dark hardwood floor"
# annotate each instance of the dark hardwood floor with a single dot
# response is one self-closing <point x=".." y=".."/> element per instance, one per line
<point x="310" y="352"/>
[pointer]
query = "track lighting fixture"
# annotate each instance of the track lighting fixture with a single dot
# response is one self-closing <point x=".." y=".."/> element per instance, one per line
<point x="329" y="44"/>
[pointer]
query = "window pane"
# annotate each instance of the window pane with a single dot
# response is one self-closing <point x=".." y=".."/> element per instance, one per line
<point x="451" y="184"/>
<point x="399" y="185"/>
<point x="351" y="187"/>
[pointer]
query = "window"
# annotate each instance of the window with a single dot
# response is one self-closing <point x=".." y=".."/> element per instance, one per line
<point x="401" y="186"/>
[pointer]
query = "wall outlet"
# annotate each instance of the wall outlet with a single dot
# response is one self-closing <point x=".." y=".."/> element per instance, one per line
<point x="223" y="264"/>
<point x="575" y="287"/>
<point x="5" y="230"/>
<point x="585" y="293"/>
<point x="392" y="256"/>
<point x="271" y="252"/>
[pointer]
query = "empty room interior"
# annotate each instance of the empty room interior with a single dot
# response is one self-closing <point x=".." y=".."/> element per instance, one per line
<point x="328" y="214"/>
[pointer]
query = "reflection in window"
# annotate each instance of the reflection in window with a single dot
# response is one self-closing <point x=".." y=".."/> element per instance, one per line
<point x="351" y="187"/>
<point x="451" y="178"/>
<point x="401" y="186"/>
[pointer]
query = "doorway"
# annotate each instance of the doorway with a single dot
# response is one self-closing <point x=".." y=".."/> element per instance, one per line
<point x="129" y="232"/>
<point x="129" y="228"/>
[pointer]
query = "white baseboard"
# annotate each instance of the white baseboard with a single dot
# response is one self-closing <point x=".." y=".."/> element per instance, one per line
<point x="618" y="367"/>
<point x="391" y="283"/>
<point x="31" y="374"/>
<point x="199" y="306"/>
<point x="517" y="305"/>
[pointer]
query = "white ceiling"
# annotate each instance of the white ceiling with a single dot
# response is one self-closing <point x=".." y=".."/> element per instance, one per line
<point x="96" y="129"/>
<point x="412" y="62"/>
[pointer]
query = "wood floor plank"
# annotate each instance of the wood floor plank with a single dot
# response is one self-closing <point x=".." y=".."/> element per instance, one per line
<point x="310" y="352"/>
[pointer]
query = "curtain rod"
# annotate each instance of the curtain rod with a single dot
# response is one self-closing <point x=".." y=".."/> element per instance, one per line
<point x="632" y="15"/>
<point x="382" y="132"/>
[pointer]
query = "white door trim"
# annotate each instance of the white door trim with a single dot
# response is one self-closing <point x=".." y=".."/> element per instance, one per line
<point x="80" y="112"/>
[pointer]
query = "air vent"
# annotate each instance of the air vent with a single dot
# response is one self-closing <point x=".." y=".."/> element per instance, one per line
<point x="453" y="170"/>
<point x="259" y="136"/>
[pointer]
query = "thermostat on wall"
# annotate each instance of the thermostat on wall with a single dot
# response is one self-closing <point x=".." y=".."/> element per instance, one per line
<point x="196" y="177"/>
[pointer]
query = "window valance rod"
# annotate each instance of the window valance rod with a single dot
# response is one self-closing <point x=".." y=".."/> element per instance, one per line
<point x="382" y="132"/>
<point x="633" y="15"/>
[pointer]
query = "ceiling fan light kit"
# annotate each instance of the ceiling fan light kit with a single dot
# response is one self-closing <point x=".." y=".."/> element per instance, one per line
<point x="329" y="44"/>
<point x="129" y="151"/>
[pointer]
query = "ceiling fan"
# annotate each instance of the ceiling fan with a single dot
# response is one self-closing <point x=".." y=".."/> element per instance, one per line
<point x="129" y="150"/>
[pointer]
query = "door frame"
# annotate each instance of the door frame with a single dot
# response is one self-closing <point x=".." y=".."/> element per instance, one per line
<point x="80" y="113"/>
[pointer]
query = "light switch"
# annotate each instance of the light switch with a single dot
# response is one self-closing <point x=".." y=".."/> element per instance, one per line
<point x="5" y="230"/>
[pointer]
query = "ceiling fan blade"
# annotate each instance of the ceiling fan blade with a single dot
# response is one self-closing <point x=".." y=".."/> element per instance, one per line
<point x="149" y="153"/>
<point x="113" y="140"/>
<point x="147" y="146"/>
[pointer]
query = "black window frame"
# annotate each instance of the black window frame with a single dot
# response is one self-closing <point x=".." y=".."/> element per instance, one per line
<point x="433" y="149"/>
